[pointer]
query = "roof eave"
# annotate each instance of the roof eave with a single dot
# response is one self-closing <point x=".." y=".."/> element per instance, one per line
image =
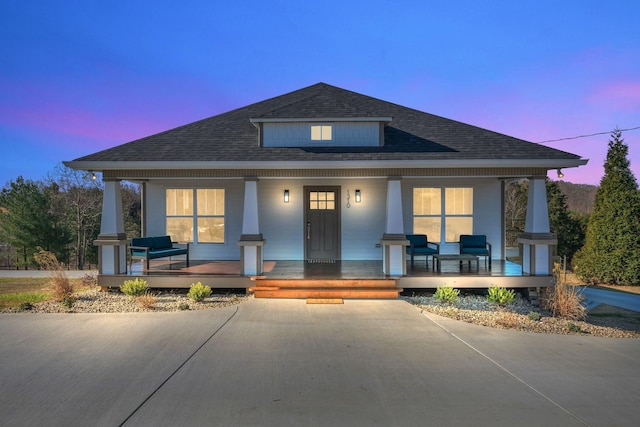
<point x="98" y="166"/>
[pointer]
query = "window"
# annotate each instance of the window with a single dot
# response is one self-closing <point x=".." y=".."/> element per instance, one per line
<point x="443" y="211"/>
<point x="322" y="200"/>
<point x="321" y="132"/>
<point x="195" y="209"/>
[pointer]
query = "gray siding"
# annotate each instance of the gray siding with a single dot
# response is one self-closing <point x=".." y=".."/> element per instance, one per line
<point x="282" y="224"/>
<point x="363" y="224"/>
<point x="487" y="205"/>
<point x="234" y="201"/>
<point x="354" y="134"/>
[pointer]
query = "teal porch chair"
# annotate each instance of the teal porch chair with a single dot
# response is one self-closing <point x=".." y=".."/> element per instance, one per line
<point x="476" y="244"/>
<point x="419" y="245"/>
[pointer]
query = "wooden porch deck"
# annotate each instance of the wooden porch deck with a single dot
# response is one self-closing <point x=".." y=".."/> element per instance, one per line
<point x="226" y="274"/>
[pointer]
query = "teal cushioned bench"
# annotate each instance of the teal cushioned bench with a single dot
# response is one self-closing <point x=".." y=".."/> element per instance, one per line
<point x="148" y="248"/>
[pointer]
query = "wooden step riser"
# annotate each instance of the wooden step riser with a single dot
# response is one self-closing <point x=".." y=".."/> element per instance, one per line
<point x="329" y="283"/>
<point x="329" y="293"/>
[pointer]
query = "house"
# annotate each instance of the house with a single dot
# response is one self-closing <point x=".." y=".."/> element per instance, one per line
<point x="322" y="174"/>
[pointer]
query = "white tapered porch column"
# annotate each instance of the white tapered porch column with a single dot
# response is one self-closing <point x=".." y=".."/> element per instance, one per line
<point x="538" y="243"/>
<point x="112" y="240"/>
<point x="394" y="240"/>
<point x="251" y="241"/>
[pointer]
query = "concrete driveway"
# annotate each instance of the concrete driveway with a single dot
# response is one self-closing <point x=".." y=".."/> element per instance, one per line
<point x="285" y="363"/>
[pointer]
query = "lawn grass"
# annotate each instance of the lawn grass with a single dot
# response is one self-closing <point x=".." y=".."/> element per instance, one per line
<point x="17" y="299"/>
<point x="15" y="291"/>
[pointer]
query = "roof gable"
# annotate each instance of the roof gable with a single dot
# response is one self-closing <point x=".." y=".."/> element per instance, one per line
<point x="411" y="135"/>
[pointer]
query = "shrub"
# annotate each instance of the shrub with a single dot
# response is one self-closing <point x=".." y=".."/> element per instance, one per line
<point x="446" y="294"/>
<point x="68" y="301"/>
<point x="61" y="287"/>
<point x="501" y="296"/>
<point x="135" y="287"/>
<point x="534" y="315"/>
<point x="563" y="300"/>
<point x="183" y="306"/>
<point x="147" y="300"/>
<point x="573" y="327"/>
<point x="198" y="292"/>
<point x="25" y="306"/>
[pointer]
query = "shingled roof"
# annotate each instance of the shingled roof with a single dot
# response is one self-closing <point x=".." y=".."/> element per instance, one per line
<point x="411" y="135"/>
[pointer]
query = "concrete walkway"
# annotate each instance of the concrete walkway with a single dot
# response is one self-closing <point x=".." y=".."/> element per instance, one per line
<point x="285" y="363"/>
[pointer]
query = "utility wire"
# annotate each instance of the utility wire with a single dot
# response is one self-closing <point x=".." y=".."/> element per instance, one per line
<point x="586" y="136"/>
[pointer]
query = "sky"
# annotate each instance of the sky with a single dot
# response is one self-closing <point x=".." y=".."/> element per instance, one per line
<point x="77" y="77"/>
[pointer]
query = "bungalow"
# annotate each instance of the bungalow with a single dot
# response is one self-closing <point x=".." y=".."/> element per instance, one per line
<point x="323" y="174"/>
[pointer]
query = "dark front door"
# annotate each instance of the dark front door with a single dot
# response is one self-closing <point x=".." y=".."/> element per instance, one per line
<point x="322" y="222"/>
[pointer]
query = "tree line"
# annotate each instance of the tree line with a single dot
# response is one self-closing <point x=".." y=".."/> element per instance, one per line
<point x="60" y="214"/>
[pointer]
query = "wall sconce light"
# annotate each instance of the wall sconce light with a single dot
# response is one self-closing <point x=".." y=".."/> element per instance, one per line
<point x="358" y="196"/>
<point x="93" y="176"/>
<point x="286" y="196"/>
<point x="560" y="174"/>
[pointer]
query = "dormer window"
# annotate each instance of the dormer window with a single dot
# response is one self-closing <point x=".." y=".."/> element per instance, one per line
<point x="321" y="132"/>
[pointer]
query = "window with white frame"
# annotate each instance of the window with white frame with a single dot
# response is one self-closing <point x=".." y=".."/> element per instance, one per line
<point x="443" y="212"/>
<point x="321" y="132"/>
<point x="195" y="215"/>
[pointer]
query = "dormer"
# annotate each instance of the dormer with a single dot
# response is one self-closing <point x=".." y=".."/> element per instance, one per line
<point x="321" y="132"/>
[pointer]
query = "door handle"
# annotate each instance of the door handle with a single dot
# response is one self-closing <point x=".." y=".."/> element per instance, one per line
<point x="308" y="229"/>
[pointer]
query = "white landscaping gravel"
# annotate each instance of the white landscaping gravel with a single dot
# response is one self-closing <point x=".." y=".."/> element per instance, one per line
<point x="113" y="301"/>
<point x="478" y="310"/>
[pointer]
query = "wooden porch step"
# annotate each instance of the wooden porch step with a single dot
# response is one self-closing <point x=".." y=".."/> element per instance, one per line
<point x="328" y="293"/>
<point x="326" y="289"/>
<point x="326" y="283"/>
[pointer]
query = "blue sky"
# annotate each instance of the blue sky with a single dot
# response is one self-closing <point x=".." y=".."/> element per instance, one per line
<point x="80" y="76"/>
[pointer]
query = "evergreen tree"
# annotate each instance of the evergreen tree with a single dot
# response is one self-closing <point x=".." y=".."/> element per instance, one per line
<point x="563" y="224"/>
<point x="27" y="220"/>
<point x="611" y="253"/>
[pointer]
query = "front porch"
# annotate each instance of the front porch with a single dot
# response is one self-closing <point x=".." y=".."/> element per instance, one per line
<point x="345" y="274"/>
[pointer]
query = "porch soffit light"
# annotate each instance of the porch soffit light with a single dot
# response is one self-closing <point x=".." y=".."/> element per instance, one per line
<point x="560" y="174"/>
<point x="93" y="176"/>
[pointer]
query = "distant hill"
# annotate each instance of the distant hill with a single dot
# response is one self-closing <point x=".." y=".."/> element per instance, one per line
<point x="580" y="197"/>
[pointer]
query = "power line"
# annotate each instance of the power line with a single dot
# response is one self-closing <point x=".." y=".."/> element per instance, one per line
<point x="586" y="136"/>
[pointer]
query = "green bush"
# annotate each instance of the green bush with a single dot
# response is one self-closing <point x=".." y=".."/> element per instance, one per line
<point x="183" y="306"/>
<point x="446" y="294"/>
<point x="198" y="292"/>
<point x="68" y="301"/>
<point x="534" y="315"/>
<point x="573" y="327"/>
<point x="25" y="306"/>
<point x="501" y="296"/>
<point x="135" y="287"/>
